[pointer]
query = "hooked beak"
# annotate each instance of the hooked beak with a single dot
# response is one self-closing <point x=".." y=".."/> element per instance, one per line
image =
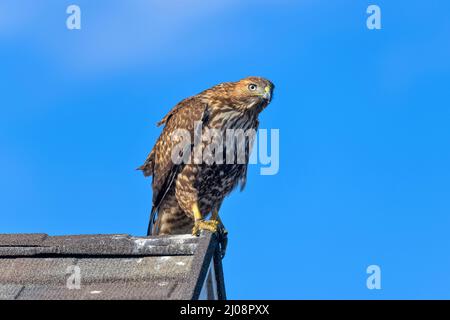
<point x="267" y="93"/>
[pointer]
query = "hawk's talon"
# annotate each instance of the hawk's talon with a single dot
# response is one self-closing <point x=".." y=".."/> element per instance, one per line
<point x="211" y="226"/>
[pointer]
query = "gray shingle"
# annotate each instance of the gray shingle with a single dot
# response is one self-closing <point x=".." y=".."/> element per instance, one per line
<point x="104" y="291"/>
<point x="23" y="239"/>
<point x="35" y="270"/>
<point x="9" y="291"/>
<point x="134" y="269"/>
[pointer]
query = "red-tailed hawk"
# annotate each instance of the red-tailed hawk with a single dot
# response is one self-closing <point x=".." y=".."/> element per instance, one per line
<point x="185" y="193"/>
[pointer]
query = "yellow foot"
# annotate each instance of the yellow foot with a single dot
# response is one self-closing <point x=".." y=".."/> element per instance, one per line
<point x="210" y="225"/>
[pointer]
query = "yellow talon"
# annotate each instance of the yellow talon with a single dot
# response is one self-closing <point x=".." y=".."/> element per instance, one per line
<point x="210" y="225"/>
<point x="201" y="224"/>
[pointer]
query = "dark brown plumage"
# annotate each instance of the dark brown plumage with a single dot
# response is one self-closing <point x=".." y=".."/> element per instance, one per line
<point x="184" y="194"/>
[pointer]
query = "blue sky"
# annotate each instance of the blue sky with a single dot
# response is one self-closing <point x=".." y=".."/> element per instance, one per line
<point x="363" y="118"/>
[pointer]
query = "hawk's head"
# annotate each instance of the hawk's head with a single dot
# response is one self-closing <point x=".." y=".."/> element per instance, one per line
<point x="253" y="92"/>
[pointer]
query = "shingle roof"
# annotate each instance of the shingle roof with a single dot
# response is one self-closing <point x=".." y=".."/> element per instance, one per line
<point x="37" y="266"/>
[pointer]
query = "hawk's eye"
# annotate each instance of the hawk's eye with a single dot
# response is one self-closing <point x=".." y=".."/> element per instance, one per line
<point x="252" y="87"/>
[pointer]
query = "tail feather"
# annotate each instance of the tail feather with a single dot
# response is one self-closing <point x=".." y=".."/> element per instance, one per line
<point x="169" y="218"/>
<point x="152" y="221"/>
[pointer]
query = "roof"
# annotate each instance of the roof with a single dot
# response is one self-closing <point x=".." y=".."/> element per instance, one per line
<point x="38" y="266"/>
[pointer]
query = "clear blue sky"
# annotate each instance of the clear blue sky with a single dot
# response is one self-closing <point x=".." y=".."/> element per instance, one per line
<point x="364" y="132"/>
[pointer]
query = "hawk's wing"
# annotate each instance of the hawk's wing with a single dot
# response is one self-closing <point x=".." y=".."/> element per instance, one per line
<point x="248" y="150"/>
<point x="159" y="163"/>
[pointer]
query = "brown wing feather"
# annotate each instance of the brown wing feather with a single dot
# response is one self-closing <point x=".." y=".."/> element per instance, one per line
<point x="159" y="163"/>
<point x="147" y="167"/>
<point x="243" y="178"/>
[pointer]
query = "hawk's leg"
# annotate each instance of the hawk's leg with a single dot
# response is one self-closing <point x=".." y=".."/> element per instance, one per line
<point x="215" y="217"/>
<point x="221" y="232"/>
<point x="200" y="223"/>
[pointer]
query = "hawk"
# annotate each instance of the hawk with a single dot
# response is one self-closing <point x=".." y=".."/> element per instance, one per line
<point x="185" y="193"/>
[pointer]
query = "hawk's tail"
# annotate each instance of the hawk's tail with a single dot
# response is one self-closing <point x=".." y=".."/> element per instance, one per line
<point x="169" y="218"/>
<point x="151" y="223"/>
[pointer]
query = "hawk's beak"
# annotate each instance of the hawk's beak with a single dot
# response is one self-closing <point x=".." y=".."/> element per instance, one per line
<point x="267" y="93"/>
